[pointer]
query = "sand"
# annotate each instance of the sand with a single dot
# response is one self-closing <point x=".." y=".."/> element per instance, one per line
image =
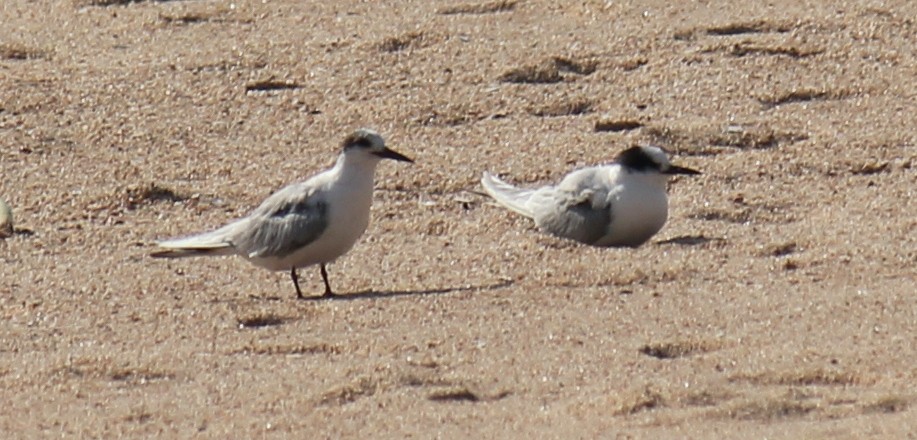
<point x="778" y="301"/>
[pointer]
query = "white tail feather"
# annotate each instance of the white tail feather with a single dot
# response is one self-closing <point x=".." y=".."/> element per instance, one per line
<point x="515" y="199"/>
<point x="209" y="243"/>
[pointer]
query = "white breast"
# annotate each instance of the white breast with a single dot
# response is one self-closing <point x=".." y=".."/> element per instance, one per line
<point x="640" y="208"/>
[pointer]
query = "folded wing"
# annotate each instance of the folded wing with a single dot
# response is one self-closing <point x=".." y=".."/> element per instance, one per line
<point x="282" y="225"/>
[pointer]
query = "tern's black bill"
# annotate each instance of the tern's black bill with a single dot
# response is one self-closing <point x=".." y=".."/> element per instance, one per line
<point x="675" y="169"/>
<point x="394" y="155"/>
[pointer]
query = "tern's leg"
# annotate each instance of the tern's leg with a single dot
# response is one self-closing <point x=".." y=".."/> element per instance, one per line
<point x="328" y="291"/>
<point x="296" y="283"/>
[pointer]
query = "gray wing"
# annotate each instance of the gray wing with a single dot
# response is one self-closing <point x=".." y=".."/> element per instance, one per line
<point x="576" y="217"/>
<point x="284" y="223"/>
<point x="579" y="208"/>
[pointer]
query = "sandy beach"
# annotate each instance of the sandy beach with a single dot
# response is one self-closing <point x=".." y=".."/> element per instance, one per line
<point x="779" y="300"/>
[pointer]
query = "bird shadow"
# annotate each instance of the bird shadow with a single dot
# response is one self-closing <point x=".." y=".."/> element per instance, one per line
<point x="691" y="240"/>
<point x="25" y="232"/>
<point x="377" y="294"/>
<point x="374" y="294"/>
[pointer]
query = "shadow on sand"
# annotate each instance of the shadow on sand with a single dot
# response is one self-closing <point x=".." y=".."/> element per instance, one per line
<point x="691" y="240"/>
<point x="370" y="294"/>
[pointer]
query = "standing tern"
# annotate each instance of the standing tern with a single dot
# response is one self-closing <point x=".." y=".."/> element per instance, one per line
<point x="620" y="204"/>
<point x="303" y="224"/>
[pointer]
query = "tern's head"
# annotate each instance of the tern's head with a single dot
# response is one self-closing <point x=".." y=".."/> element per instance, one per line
<point x="367" y="144"/>
<point x="649" y="159"/>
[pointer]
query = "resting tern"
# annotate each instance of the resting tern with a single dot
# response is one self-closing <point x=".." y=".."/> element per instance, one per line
<point x="621" y="204"/>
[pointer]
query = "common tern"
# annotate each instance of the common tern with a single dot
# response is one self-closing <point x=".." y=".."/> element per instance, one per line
<point x="306" y="223"/>
<point x="621" y="204"/>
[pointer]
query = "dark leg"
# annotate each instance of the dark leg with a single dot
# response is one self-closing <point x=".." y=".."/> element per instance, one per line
<point x="328" y="291"/>
<point x="296" y="282"/>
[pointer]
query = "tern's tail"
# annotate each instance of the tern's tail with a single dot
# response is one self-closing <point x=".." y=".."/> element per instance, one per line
<point x="209" y="243"/>
<point x="507" y="195"/>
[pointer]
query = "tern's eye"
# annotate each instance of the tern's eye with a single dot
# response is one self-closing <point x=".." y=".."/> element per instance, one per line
<point x="362" y="143"/>
<point x="358" y="142"/>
